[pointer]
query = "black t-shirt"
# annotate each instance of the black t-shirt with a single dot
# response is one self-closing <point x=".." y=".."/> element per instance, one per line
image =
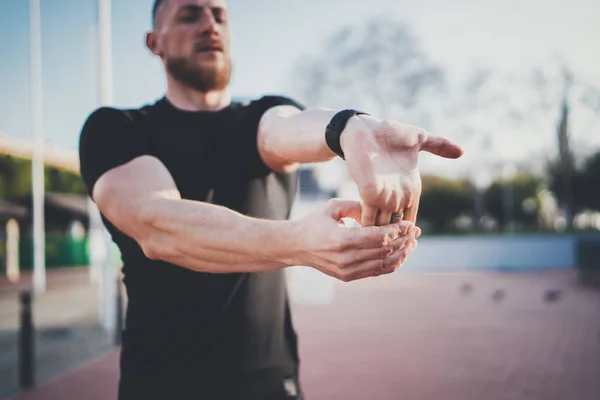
<point x="185" y="330"/>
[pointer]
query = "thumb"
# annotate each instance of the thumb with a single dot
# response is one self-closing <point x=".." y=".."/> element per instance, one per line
<point x="442" y="147"/>
<point x="338" y="209"/>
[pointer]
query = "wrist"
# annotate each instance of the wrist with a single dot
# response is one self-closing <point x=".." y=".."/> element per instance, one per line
<point x="357" y="126"/>
<point x="283" y="248"/>
<point x="336" y="127"/>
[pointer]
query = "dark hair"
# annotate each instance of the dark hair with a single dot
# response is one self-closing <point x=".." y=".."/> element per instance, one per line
<point x="157" y="5"/>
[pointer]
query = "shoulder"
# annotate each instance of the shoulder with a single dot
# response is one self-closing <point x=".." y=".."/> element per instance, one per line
<point x="268" y="101"/>
<point x="111" y="123"/>
<point x="111" y="117"/>
<point x="110" y="137"/>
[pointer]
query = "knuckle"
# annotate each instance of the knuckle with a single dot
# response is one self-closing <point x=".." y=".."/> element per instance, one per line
<point x="406" y="188"/>
<point x="332" y="203"/>
<point x="337" y="261"/>
<point x="337" y="272"/>
<point x="345" y="260"/>
<point x="420" y="136"/>
<point x="383" y="264"/>
<point x="382" y="199"/>
<point x="384" y="251"/>
<point x="338" y="242"/>
<point x="345" y="242"/>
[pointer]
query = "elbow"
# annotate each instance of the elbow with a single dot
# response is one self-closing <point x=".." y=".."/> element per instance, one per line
<point x="148" y="236"/>
<point x="272" y="159"/>
<point x="157" y="246"/>
<point x="152" y="249"/>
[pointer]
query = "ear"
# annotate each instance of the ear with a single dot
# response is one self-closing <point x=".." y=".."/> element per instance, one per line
<point x="152" y="43"/>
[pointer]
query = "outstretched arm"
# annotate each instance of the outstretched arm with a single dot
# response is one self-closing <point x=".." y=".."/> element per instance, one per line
<point x="288" y="137"/>
<point x="382" y="156"/>
<point x="140" y="198"/>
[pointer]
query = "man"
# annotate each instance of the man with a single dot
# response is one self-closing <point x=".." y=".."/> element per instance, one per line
<point x="196" y="191"/>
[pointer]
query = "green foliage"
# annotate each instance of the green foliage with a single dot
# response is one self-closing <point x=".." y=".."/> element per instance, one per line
<point x="61" y="181"/>
<point x="516" y="200"/>
<point x="15" y="179"/>
<point x="584" y="183"/>
<point x="442" y="201"/>
<point x="61" y="251"/>
<point x="587" y="185"/>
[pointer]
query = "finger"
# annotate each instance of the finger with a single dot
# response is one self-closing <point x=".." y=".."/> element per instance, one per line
<point x="374" y="268"/>
<point x="366" y="269"/>
<point x="356" y="256"/>
<point x="410" y="214"/>
<point x="383" y="218"/>
<point x="400" y="243"/>
<point x="374" y="237"/>
<point x="441" y="147"/>
<point x="339" y="209"/>
<point x="398" y="259"/>
<point x="369" y="215"/>
<point x="406" y="252"/>
<point x="414" y="245"/>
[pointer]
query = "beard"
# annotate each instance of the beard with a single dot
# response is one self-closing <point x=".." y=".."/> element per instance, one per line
<point x="203" y="78"/>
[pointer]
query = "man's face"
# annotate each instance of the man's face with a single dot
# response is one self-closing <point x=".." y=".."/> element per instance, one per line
<point x="192" y="38"/>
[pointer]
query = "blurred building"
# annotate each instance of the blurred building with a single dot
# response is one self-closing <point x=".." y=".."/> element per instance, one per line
<point x="9" y="210"/>
<point x="53" y="156"/>
<point x="65" y="215"/>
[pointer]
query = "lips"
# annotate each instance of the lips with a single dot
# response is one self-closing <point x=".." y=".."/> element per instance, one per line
<point x="212" y="46"/>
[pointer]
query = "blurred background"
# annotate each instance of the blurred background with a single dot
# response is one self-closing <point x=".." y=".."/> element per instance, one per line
<point x="500" y="300"/>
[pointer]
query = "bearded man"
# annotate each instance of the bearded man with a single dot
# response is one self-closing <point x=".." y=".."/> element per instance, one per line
<point x="196" y="191"/>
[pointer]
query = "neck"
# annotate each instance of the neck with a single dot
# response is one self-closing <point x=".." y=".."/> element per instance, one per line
<point x="189" y="99"/>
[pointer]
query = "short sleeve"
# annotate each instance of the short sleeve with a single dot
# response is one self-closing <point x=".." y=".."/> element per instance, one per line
<point x="257" y="109"/>
<point x="109" y="138"/>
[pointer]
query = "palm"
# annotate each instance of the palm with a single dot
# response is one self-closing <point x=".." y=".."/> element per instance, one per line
<point x="383" y="161"/>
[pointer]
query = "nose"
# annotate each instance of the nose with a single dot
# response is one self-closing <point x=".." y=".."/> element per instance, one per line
<point x="208" y="23"/>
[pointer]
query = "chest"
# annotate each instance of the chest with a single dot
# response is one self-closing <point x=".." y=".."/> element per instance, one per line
<point x="210" y="162"/>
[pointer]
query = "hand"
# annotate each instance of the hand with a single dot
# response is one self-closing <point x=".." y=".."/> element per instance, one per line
<point x="382" y="158"/>
<point x="351" y="253"/>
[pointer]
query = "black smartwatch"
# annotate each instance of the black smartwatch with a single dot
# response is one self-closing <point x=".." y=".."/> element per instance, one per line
<point x="336" y="127"/>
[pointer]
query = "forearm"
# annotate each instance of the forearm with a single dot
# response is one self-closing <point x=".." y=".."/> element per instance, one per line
<point x="210" y="238"/>
<point x="287" y="137"/>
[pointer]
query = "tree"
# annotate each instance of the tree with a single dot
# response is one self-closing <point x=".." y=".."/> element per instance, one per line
<point x="561" y="90"/>
<point x="378" y="66"/>
<point x="586" y="191"/>
<point x="514" y="201"/>
<point x="442" y="202"/>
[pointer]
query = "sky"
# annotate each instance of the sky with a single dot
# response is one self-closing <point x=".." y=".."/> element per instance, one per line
<point x="271" y="37"/>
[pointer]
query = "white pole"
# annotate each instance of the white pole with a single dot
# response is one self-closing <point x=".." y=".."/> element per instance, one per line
<point x="39" y="240"/>
<point x="108" y="277"/>
<point x="106" y="80"/>
<point x="95" y="248"/>
<point x="12" y="251"/>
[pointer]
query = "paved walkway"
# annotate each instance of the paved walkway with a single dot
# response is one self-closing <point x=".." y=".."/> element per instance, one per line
<point x="471" y="336"/>
<point x="66" y="322"/>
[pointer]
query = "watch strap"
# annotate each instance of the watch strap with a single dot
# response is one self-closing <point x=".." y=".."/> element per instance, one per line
<point x="335" y="128"/>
